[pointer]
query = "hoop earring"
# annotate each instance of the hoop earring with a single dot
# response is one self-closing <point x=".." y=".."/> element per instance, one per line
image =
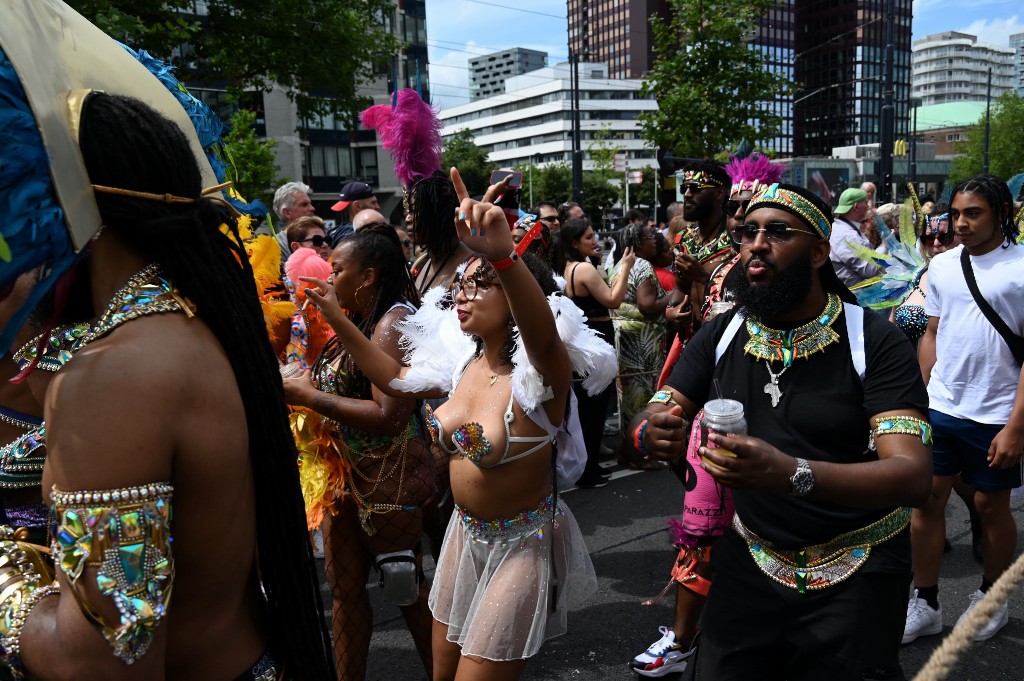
<point x="356" y="296"/>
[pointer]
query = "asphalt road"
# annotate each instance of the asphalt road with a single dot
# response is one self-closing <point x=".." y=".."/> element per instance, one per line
<point x="626" y="532"/>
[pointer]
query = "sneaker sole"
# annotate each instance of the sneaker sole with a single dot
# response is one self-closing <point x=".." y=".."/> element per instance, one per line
<point x="930" y="631"/>
<point x="980" y="638"/>
<point x="671" y="668"/>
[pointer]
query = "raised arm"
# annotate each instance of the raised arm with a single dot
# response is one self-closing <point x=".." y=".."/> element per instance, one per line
<point x="483" y="228"/>
<point x="588" y="280"/>
<point x="376" y="364"/>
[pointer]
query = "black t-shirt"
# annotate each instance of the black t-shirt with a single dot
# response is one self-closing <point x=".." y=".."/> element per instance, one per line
<point x="823" y="416"/>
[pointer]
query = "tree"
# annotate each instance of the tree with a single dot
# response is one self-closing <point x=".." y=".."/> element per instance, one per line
<point x="1006" y="140"/>
<point x="551" y="182"/>
<point x="320" y="51"/>
<point x="642" y="194"/>
<point x="250" y="162"/>
<point x="460" y="150"/>
<point x="602" y="186"/>
<point x="710" y="84"/>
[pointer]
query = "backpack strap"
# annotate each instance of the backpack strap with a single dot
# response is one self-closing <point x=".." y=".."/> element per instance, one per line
<point x="727" y="337"/>
<point x="855" y="330"/>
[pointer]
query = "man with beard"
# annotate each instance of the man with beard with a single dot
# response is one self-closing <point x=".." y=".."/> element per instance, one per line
<point x="812" y="580"/>
<point x="705" y="244"/>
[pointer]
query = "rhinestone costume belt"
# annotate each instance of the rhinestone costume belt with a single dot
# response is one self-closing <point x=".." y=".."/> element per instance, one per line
<point x="821" y="565"/>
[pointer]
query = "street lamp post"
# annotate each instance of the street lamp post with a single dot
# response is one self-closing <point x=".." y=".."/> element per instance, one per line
<point x="915" y="102"/>
<point x="988" y="109"/>
<point x="887" y="133"/>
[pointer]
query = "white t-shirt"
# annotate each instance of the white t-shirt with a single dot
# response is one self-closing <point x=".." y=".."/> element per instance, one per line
<point x="975" y="375"/>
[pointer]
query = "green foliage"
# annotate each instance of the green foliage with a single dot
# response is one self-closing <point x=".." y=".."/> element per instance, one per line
<point x="709" y="83"/>
<point x="460" y="150"/>
<point x="642" y="194"/>
<point x="552" y="182"/>
<point x="602" y="186"/>
<point x="1006" y="140"/>
<point x="251" y="163"/>
<point x="320" y="51"/>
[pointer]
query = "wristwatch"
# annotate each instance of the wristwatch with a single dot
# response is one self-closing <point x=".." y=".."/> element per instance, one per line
<point x="803" y="479"/>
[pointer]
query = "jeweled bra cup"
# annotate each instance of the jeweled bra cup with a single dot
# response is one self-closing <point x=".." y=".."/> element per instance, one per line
<point x="125" y="534"/>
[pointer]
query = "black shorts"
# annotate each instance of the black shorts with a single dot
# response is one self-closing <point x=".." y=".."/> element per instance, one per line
<point x="961" y="446"/>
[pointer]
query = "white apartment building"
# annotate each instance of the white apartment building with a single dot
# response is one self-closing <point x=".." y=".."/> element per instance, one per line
<point x="1017" y="45"/>
<point x="953" y="67"/>
<point x="531" y="123"/>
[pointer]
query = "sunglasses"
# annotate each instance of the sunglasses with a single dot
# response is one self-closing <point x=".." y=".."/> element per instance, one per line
<point x="775" y="233"/>
<point x="407" y="242"/>
<point x="550" y="219"/>
<point x="733" y="205"/>
<point x="316" y="240"/>
<point x="695" y="188"/>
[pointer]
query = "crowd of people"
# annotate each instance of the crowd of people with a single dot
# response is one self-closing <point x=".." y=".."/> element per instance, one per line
<point x="197" y="406"/>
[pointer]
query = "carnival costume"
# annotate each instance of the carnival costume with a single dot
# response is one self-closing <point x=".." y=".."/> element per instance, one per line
<point x="504" y="586"/>
<point x="119" y="539"/>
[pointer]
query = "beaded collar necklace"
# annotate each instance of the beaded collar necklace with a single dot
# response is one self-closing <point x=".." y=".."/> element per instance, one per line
<point x="789" y="344"/>
<point x="147" y="292"/>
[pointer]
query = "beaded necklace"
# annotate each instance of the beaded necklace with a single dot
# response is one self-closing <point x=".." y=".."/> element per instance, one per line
<point x="789" y="344"/>
<point x="56" y="352"/>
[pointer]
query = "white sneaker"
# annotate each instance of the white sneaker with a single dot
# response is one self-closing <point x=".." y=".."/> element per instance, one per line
<point x="993" y="626"/>
<point x="665" y="656"/>
<point x="922" y="620"/>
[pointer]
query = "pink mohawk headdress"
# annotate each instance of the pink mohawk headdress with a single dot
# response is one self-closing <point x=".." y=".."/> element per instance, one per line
<point x="753" y="172"/>
<point x="411" y="132"/>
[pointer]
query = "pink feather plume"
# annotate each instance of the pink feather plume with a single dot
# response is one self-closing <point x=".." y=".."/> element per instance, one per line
<point x="755" y="167"/>
<point x="411" y="132"/>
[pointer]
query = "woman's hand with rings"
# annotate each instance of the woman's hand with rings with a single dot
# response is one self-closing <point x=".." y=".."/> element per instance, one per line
<point x="481" y="226"/>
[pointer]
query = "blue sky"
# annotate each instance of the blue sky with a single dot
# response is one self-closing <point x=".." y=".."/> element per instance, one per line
<point x="457" y="30"/>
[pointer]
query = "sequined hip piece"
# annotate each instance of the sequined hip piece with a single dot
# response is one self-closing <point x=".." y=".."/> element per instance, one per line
<point x="508" y="530"/>
<point x="822" y="565"/>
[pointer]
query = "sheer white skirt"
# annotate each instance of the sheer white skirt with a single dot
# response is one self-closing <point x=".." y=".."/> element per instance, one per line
<point x="504" y="587"/>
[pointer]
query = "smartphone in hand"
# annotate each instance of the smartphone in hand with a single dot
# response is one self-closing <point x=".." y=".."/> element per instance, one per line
<point x="499" y="175"/>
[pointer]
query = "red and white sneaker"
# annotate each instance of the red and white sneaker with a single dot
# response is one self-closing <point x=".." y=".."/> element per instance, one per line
<point x="665" y="656"/>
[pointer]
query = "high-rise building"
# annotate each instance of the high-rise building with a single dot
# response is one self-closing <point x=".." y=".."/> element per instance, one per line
<point x="487" y="74"/>
<point x="953" y="67"/>
<point x="1017" y="45"/>
<point x="615" y="33"/>
<point x="834" y="50"/>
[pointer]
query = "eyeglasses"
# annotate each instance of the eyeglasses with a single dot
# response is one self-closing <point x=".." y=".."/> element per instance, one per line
<point x="695" y="188"/>
<point x="775" y="233"/>
<point x="733" y="205"/>
<point x="469" y="287"/>
<point x="316" y="240"/>
<point x="550" y="219"/>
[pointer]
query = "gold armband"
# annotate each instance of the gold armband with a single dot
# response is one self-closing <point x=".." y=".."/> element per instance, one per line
<point x="125" y="534"/>
<point x="663" y="397"/>
<point x="26" y="577"/>
<point x="901" y="424"/>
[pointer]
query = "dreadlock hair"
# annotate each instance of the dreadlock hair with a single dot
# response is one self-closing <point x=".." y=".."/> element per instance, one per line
<point x="486" y="274"/>
<point x="128" y="145"/>
<point x="997" y="195"/>
<point x="433" y="203"/>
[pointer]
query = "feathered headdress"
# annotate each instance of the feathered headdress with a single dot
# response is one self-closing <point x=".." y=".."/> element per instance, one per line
<point x="903" y="264"/>
<point x="755" y="171"/>
<point x="411" y="132"/>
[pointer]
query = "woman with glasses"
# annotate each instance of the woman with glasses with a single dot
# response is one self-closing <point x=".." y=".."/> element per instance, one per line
<point x="513" y="559"/>
<point x="639" y="332"/>
<point x="373" y="462"/>
<point x="594" y="297"/>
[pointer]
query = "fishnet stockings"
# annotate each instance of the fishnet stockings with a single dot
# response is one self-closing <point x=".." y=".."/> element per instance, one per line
<point x="349" y="554"/>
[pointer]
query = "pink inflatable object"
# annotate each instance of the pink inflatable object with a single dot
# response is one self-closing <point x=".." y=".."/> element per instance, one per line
<point x="707" y="507"/>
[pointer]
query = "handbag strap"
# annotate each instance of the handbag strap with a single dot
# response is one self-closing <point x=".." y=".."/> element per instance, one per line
<point x="1015" y="342"/>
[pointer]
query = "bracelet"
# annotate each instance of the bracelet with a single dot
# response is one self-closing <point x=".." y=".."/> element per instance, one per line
<point x="638" y="437"/>
<point x="901" y="424"/>
<point x="506" y="262"/>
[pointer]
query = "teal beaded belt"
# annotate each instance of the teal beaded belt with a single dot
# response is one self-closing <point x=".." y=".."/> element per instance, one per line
<point x="821" y="565"/>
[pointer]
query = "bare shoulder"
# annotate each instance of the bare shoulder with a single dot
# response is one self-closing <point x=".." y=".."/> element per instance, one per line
<point x="118" y="412"/>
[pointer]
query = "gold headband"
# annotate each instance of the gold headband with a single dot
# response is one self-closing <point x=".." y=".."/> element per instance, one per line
<point x="778" y="197"/>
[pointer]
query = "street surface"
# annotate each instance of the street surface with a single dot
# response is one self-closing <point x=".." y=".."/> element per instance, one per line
<point x="626" y="532"/>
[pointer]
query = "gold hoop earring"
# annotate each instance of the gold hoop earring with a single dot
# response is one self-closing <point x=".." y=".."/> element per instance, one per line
<point x="356" y="296"/>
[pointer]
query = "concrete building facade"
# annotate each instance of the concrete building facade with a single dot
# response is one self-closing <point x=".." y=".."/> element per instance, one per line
<point x="1017" y="45"/>
<point x="953" y="67"/>
<point x="531" y="123"/>
<point x="487" y="74"/>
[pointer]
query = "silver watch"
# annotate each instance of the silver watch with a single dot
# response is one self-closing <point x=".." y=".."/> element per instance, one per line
<point x="803" y="479"/>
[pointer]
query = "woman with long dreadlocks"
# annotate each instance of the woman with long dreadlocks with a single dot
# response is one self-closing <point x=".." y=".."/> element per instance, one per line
<point x="513" y="558"/>
<point x="379" y="445"/>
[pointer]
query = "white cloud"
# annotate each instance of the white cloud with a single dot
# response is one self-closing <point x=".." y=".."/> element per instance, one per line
<point x="995" y="31"/>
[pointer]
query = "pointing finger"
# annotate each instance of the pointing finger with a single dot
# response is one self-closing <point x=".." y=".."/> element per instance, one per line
<point x="460" y="186"/>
